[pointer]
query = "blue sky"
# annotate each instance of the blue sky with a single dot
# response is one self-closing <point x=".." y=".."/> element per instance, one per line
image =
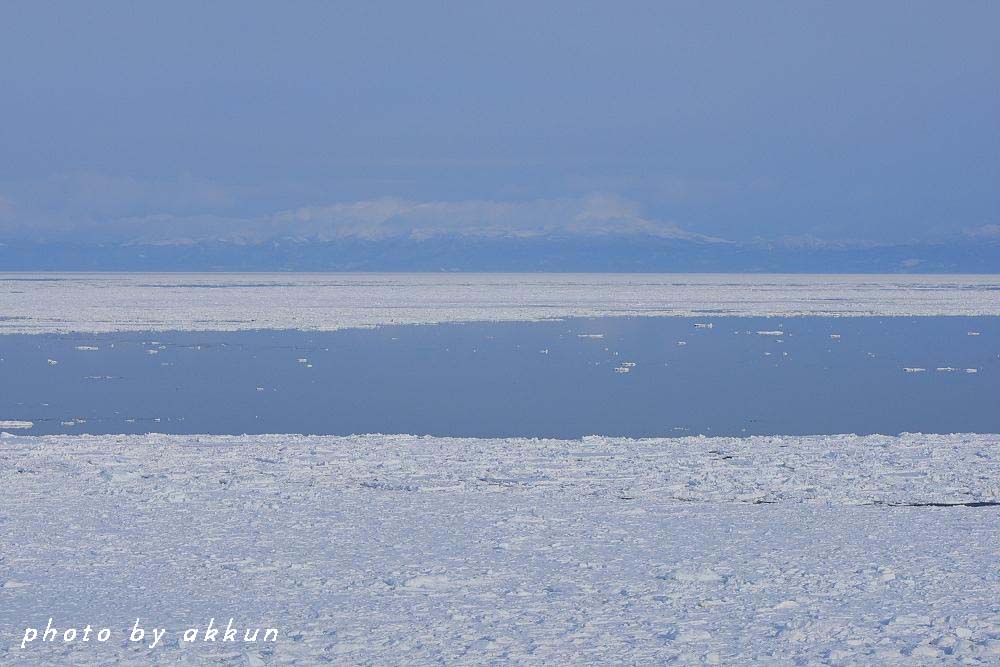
<point x="244" y="120"/>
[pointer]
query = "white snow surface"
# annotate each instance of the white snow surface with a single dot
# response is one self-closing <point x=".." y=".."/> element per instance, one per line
<point x="416" y="550"/>
<point x="59" y="303"/>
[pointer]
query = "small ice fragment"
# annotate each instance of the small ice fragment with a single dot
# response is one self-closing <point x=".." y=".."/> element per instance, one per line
<point x="972" y="333"/>
<point x="15" y="423"/>
<point x="914" y="369"/>
<point x="682" y="342"/>
<point x="770" y="333"/>
<point x="946" y="369"/>
<point x="68" y="423"/>
<point x="260" y="389"/>
<point x="52" y="362"/>
<point x="590" y="335"/>
<point x="302" y="360"/>
<point x="545" y="351"/>
<point x="622" y="369"/>
<point x="628" y="364"/>
<point x="971" y="370"/>
<point x="152" y="351"/>
<point x="703" y="325"/>
<point x="87" y="348"/>
<point x="834" y="336"/>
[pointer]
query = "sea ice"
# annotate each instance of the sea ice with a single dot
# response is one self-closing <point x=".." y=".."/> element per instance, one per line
<point x="417" y="550"/>
<point x="159" y="302"/>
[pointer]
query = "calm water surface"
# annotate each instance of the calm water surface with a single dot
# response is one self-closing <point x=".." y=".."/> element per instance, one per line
<point x="632" y="377"/>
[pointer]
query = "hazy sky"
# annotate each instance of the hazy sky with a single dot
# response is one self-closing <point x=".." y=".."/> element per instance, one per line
<point x="875" y="120"/>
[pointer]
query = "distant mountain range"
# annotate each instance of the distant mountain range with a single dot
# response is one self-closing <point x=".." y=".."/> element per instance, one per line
<point x="603" y="253"/>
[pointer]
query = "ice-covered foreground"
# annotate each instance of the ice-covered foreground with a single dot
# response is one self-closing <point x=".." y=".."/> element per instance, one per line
<point x="406" y="550"/>
<point x="141" y="302"/>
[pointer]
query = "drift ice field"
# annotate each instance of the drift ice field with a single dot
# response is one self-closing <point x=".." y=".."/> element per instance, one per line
<point x="391" y="549"/>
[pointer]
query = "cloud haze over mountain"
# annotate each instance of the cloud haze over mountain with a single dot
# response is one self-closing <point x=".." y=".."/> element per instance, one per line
<point x="379" y="131"/>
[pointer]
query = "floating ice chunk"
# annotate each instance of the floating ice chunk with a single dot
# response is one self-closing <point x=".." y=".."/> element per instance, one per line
<point x="946" y="369"/>
<point x="703" y="325"/>
<point x="622" y="369"/>
<point x="700" y="576"/>
<point x="693" y="635"/>
<point x="971" y="370"/>
<point x="302" y="360"/>
<point x="925" y="651"/>
<point x="628" y="364"/>
<point x="835" y="336"/>
<point x="545" y="351"/>
<point x="68" y="422"/>
<point x="590" y="335"/>
<point x="52" y="362"/>
<point x="152" y="351"/>
<point x="770" y="333"/>
<point x="427" y="582"/>
<point x="972" y="333"/>
<point x="87" y="348"/>
<point x="260" y="389"/>
<point x="915" y="369"/>
<point x="682" y="342"/>
<point x="15" y="423"/>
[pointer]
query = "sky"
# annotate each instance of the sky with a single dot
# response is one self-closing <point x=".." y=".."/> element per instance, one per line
<point x="834" y="121"/>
